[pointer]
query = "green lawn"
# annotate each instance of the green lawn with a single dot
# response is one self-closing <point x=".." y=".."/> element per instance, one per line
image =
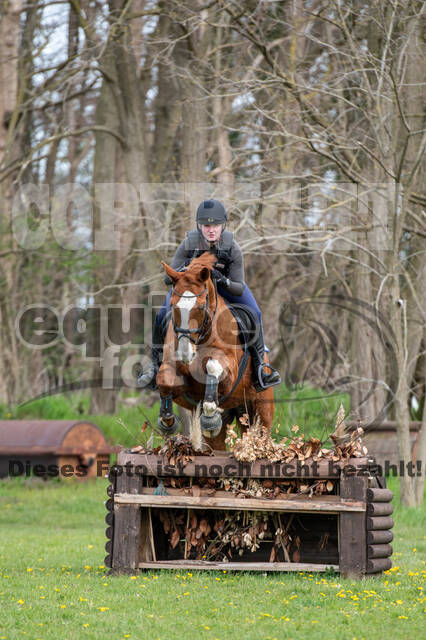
<point x="314" y="410"/>
<point x="53" y="583"/>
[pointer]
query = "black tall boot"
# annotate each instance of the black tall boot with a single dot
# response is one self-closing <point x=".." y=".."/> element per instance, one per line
<point x="261" y="379"/>
<point x="148" y="380"/>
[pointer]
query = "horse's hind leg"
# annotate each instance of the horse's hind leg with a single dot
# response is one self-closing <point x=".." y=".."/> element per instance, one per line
<point x="263" y="406"/>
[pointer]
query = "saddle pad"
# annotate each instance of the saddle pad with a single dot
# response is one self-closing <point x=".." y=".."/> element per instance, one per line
<point x="246" y="322"/>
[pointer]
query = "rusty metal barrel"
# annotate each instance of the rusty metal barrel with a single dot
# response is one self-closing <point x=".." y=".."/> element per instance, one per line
<point x="48" y="448"/>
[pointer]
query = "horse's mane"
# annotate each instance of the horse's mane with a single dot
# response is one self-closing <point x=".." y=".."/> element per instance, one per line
<point x="206" y="259"/>
<point x="192" y="272"/>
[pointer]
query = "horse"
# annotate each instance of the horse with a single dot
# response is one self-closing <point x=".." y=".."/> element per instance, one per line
<point x="203" y="357"/>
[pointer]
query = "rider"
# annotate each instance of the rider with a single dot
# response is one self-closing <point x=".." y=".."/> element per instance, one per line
<point x="210" y="235"/>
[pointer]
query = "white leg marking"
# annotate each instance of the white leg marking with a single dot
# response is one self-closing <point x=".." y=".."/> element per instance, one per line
<point x="214" y="368"/>
<point x="209" y="408"/>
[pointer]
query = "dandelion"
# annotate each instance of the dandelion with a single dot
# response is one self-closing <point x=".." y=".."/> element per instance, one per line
<point x="20" y="601"/>
<point x="29" y="569"/>
<point x="103" y="608"/>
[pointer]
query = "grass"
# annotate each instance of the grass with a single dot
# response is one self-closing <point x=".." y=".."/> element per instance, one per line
<point x="53" y="582"/>
<point x="315" y="411"/>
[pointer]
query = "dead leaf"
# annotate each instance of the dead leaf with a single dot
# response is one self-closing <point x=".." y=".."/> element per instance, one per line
<point x="295" y="428"/>
<point x="296" y="556"/>
<point x="196" y="491"/>
<point x="330" y="485"/>
<point x="272" y="556"/>
<point x="174" y="539"/>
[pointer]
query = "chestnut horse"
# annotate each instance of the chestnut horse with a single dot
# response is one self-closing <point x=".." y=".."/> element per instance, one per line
<point x="201" y="357"/>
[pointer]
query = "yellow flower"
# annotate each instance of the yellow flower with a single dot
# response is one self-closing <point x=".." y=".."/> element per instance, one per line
<point x="87" y="566"/>
<point x="20" y="601"/>
<point x="103" y="608"/>
<point x="403" y="617"/>
<point x="63" y="606"/>
<point x="29" y="569"/>
<point x="86" y="624"/>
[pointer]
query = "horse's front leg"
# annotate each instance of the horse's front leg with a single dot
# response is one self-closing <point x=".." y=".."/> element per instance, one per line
<point x="168" y="384"/>
<point x="210" y="419"/>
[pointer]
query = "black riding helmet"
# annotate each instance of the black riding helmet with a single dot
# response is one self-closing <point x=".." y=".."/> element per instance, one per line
<point x="211" y="212"/>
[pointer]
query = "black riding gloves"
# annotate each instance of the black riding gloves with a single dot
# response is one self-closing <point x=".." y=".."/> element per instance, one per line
<point x="219" y="277"/>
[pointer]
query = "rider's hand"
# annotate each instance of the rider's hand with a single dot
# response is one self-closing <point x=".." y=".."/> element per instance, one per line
<point x="217" y="275"/>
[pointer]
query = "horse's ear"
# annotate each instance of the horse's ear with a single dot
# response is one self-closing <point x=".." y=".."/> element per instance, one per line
<point x="204" y="274"/>
<point x="173" y="275"/>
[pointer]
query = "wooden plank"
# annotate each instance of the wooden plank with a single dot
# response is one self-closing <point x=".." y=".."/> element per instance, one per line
<point x="379" y="551"/>
<point x="237" y="566"/>
<point x="377" y="565"/>
<point x="374" y="523"/>
<point x="379" y="537"/>
<point x="127" y="537"/>
<point x="380" y="508"/>
<point x="379" y="495"/>
<point x="145" y="548"/>
<point x="352" y="549"/>
<point x="223" y="464"/>
<point x="308" y="505"/>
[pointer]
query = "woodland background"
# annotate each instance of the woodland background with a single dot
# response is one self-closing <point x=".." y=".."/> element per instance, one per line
<point x="306" y="117"/>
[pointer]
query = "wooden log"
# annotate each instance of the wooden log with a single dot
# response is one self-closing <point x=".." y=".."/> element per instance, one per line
<point x="109" y="532"/>
<point x="237" y="566"/>
<point x="379" y="550"/>
<point x="108" y="561"/>
<point x="377" y="565"/>
<point x="379" y="508"/>
<point x="374" y="523"/>
<point x="109" y="518"/>
<point x="327" y="505"/>
<point x="379" y="537"/>
<point x="108" y="546"/>
<point x="352" y="531"/>
<point x="110" y="490"/>
<point x="379" y="495"/>
<point x="109" y="504"/>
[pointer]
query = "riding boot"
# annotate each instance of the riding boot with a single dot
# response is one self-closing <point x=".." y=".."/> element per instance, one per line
<point x="261" y="379"/>
<point x="148" y="380"/>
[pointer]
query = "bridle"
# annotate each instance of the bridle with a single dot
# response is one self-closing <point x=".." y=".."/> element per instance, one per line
<point x="207" y="320"/>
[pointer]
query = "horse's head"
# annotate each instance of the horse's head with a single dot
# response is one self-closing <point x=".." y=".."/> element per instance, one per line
<point x="190" y="302"/>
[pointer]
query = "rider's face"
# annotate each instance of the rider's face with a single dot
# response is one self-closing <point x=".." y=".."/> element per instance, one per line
<point x="211" y="232"/>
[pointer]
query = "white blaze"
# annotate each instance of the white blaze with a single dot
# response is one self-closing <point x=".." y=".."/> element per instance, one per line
<point x="186" y="351"/>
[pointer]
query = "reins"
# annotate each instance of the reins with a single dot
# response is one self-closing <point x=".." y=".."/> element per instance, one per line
<point x="204" y="329"/>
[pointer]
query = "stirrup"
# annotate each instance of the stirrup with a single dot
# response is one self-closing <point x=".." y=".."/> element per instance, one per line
<point x="260" y="384"/>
